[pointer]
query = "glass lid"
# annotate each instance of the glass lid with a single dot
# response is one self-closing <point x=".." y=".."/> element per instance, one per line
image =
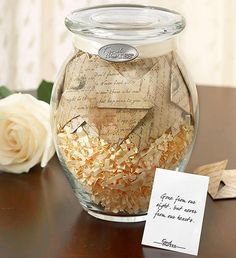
<point x="125" y="22"/>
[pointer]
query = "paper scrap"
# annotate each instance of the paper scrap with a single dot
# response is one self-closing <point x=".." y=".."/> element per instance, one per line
<point x="179" y="90"/>
<point x="116" y="91"/>
<point x="213" y="167"/>
<point x="222" y="183"/>
<point x="136" y="69"/>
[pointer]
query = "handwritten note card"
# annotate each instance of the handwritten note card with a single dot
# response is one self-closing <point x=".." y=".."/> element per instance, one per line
<point x="176" y="210"/>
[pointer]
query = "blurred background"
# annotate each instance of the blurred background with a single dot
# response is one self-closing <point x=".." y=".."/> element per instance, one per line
<point x="34" y="41"/>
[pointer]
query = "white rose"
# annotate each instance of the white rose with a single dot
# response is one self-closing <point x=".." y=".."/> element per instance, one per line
<point x="25" y="133"/>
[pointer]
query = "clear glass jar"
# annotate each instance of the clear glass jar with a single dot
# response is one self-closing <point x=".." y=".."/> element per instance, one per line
<point x="123" y="105"/>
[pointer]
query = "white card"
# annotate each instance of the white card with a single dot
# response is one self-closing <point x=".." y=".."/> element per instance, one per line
<point x="176" y="210"/>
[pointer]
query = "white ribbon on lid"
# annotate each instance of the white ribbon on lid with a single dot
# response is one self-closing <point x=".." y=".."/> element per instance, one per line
<point x="154" y="49"/>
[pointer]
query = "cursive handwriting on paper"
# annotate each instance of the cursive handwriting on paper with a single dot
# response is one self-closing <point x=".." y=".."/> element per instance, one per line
<point x="175" y="208"/>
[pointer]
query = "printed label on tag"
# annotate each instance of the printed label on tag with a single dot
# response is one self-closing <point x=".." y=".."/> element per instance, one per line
<point x="118" y="52"/>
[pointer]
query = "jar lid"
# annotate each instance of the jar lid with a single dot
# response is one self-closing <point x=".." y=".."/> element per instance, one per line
<point x="125" y="23"/>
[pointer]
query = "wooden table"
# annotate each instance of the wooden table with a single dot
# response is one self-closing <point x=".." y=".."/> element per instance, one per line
<point x="41" y="218"/>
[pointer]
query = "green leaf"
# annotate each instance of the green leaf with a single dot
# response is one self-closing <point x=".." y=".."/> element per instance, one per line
<point x="44" y="91"/>
<point x="4" y="92"/>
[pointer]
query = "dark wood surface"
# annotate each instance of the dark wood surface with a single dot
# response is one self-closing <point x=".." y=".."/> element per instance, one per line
<point x="40" y="217"/>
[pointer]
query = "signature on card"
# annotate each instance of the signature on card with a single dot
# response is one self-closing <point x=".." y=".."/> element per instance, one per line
<point x="165" y="242"/>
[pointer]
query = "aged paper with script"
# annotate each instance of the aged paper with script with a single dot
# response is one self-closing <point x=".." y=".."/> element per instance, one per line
<point x="179" y="91"/>
<point x="128" y="100"/>
<point x="79" y="98"/>
<point x="136" y="69"/>
<point x="188" y="81"/>
<point x="115" y="91"/>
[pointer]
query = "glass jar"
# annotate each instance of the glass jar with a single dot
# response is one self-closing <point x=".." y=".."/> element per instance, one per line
<point x="123" y="105"/>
